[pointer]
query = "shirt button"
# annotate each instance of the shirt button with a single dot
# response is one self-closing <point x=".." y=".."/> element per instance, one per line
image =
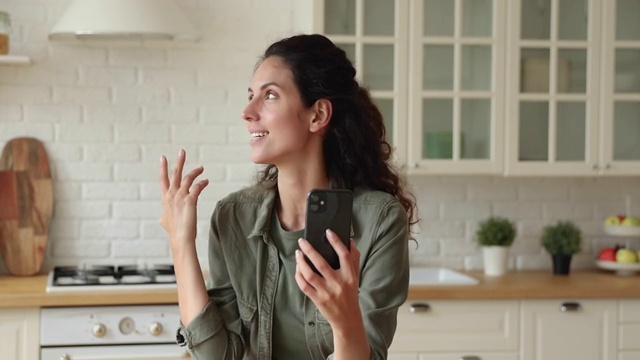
<point x="312" y="324"/>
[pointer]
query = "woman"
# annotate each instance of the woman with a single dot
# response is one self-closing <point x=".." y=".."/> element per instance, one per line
<point x="314" y="127"/>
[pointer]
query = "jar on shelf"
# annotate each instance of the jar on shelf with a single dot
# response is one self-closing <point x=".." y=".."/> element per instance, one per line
<point x="5" y="29"/>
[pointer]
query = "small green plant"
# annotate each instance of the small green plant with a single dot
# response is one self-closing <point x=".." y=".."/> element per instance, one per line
<point x="562" y="238"/>
<point x="496" y="231"/>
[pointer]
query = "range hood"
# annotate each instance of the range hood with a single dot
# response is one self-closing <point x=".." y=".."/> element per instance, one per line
<point x="123" y="20"/>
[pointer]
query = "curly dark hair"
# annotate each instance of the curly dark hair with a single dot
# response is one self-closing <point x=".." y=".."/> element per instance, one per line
<point x="355" y="148"/>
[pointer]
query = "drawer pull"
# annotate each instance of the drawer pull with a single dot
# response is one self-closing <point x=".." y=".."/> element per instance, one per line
<point x="419" y="307"/>
<point x="570" y="307"/>
<point x="470" y="357"/>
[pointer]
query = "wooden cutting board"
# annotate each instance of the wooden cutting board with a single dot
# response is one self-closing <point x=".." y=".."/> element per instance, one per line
<point x="26" y="205"/>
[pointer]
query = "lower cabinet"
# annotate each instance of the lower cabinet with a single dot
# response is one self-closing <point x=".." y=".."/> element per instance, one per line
<point x="19" y="333"/>
<point x="457" y="330"/>
<point x="629" y="329"/>
<point x="583" y="329"/>
<point x="573" y="329"/>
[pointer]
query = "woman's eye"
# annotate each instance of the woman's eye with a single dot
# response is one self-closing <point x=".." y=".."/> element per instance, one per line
<point x="270" y="95"/>
<point x="250" y="97"/>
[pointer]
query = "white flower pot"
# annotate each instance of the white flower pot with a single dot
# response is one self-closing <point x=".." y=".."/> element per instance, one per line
<point x="495" y="260"/>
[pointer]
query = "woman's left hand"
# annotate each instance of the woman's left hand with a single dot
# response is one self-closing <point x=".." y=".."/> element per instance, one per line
<point x="335" y="293"/>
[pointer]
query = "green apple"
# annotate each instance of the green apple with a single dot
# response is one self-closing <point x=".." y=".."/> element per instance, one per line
<point x="612" y="220"/>
<point x="631" y="221"/>
<point x="626" y="256"/>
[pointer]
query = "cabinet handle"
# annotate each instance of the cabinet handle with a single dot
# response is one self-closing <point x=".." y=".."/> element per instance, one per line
<point x="570" y="307"/>
<point x="419" y="307"/>
<point x="470" y="357"/>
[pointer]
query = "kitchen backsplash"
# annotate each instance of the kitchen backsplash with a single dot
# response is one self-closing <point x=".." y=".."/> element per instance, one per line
<point x="106" y="111"/>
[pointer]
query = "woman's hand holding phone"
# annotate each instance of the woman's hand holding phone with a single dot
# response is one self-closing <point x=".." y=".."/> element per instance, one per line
<point x="333" y="291"/>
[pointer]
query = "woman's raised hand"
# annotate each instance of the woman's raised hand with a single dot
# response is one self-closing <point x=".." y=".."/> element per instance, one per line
<point x="179" y="200"/>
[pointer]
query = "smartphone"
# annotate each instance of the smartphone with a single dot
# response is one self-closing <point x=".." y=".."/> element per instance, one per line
<point x="328" y="209"/>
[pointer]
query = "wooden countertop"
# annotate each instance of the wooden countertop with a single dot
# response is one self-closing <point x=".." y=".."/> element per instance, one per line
<point x="31" y="292"/>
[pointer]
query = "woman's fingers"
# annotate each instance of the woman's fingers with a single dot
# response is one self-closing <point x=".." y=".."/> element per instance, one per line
<point x="188" y="179"/>
<point x="316" y="259"/>
<point x="164" y="177"/>
<point x="176" y="175"/>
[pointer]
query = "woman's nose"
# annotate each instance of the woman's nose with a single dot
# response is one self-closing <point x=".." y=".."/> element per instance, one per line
<point x="249" y="113"/>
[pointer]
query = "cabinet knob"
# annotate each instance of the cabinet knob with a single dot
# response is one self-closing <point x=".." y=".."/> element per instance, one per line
<point x="99" y="330"/>
<point x="419" y="307"/>
<point x="594" y="166"/>
<point x="470" y="357"/>
<point x="607" y="166"/>
<point x="155" y="328"/>
<point x="570" y="307"/>
<point x="65" y="357"/>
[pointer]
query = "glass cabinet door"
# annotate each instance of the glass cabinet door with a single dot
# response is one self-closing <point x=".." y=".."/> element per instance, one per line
<point x="621" y="122"/>
<point x="553" y="87"/>
<point x="375" y="40"/>
<point x="456" y="86"/>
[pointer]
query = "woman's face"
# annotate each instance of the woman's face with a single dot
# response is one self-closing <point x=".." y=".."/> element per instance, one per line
<point x="276" y="118"/>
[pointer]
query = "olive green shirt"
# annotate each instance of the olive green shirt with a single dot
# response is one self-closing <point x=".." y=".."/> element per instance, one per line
<point x="244" y="264"/>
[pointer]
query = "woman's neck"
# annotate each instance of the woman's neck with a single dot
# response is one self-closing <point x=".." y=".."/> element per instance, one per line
<point x="293" y="187"/>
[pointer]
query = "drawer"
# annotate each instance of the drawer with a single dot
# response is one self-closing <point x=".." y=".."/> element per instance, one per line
<point x="629" y="336"/>
<point x="629" y="355"/>
<point x="455" y="326"/>
<point x="629" y="311"/>
<point x="469" y="356"/>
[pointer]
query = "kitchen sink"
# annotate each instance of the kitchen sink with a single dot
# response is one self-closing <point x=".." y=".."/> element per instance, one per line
<point x="439" y="276"/>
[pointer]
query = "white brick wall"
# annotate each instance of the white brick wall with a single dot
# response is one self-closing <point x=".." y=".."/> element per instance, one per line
<point x="106" y="111"/>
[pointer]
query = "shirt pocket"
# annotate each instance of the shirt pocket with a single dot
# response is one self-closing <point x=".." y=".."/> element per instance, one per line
<point x="324" y="333"/>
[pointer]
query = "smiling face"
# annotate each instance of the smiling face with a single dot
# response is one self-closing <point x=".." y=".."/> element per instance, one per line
<point x="277" y="120"/>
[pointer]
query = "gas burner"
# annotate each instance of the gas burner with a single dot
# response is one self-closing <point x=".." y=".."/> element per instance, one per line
<point x="109" y="277"/>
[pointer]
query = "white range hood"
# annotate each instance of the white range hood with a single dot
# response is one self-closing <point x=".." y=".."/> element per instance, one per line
<point x="123" y="20"/>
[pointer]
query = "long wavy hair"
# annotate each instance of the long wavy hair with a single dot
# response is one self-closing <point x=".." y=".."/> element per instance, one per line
<point x="355" y="148"/>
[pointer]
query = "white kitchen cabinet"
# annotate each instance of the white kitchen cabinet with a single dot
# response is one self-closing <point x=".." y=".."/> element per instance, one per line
<point x="19" y="333"/>
<point x="373" y="33"/>
<point x="452" y="329"/>
<point x="434" y="67"/>
<point x="522" y="87"/>
<point x="573" y="90"/>
<point x="576" y="329"/>
<point x="629" y="329"/>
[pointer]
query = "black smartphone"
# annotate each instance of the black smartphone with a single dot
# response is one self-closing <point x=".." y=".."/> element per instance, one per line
<point x="328" y="209"/>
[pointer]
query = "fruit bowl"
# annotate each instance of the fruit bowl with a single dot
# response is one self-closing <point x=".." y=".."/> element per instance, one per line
<point x="621" y="230"/>
<point x="620" y="268"/>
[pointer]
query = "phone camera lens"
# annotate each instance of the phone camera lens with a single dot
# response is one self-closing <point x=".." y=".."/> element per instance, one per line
<point x="313" y="197"/>
<point x="313" y="207"/>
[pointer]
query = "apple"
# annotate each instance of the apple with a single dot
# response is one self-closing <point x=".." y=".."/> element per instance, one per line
<point x="626" y="256"/>
<point x="607" y="254"/>
<point x="612" y="220"/>
<point x="630" y="221"/>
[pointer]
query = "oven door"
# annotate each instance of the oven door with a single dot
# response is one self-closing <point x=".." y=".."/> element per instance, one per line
<point x="116" y="352"/>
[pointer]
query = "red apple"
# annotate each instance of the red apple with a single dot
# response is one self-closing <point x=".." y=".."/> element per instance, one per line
<point x="621" y="217"/>
<point x="607" y="254"/>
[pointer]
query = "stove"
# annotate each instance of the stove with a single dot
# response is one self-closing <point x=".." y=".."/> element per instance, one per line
<point x="111" y="277"/>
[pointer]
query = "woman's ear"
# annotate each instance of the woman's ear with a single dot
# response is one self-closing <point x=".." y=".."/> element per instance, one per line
<point x="322" y="111"/>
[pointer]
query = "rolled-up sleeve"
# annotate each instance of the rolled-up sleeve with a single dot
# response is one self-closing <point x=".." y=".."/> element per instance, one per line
<point x="216" y="333"/>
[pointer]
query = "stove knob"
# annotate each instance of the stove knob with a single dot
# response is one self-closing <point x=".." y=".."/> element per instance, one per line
<point x="155" y="328"/>
<point x="99" y="330"/>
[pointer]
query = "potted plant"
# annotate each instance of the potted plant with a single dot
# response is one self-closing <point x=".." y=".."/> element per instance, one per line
<point x="561" y="241"/>
<point x="495" y="235"/>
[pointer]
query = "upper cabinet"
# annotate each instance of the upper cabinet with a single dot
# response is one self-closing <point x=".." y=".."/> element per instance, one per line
<point x="519" y="87"/>
<point x="573" y="87"/>
<point x="456" y="86"/>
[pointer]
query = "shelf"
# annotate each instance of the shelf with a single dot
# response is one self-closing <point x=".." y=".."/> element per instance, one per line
<point x="14" y="60"/>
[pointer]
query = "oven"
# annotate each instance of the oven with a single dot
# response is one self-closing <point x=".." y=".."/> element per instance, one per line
<point x="110" y="333"/>
<point x="127" y="332"/>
